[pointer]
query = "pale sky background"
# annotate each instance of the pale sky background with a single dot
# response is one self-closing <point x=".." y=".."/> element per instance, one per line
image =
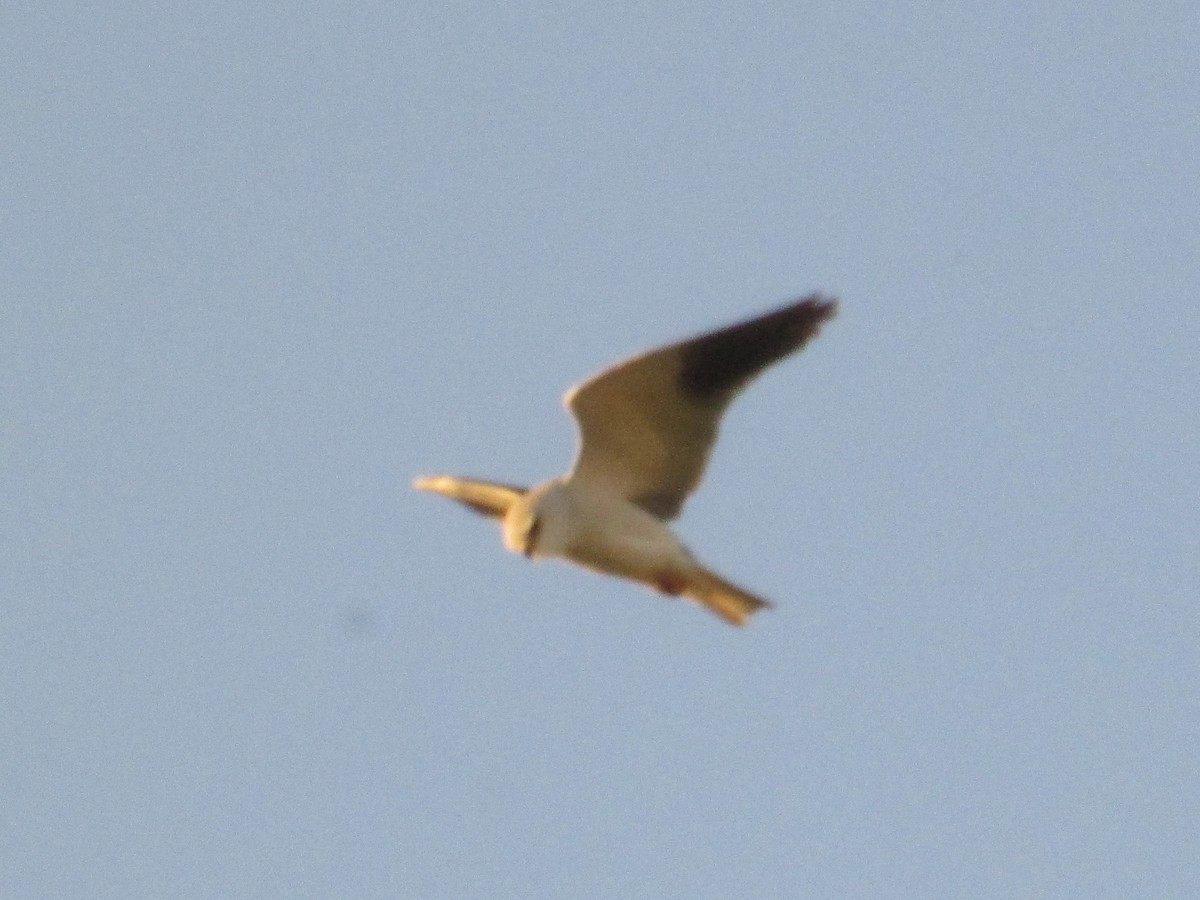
<point x="263" y="264"/>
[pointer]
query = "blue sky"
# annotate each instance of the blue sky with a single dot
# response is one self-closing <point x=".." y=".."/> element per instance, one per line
<point x="263" y="265"/>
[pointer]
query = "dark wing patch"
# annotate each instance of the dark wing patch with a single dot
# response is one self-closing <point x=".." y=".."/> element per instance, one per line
<point x="664" y="505"/>
<point x="717" y="365"/>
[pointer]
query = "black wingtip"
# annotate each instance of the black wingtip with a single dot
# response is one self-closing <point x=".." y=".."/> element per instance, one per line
<point x="716" y="365"/>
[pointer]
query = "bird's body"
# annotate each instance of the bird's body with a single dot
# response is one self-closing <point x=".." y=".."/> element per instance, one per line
<point x="647" y="426"/>
<point x="597" y="529"/>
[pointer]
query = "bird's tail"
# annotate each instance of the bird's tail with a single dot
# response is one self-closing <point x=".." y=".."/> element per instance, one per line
<point x="727" y="600"/>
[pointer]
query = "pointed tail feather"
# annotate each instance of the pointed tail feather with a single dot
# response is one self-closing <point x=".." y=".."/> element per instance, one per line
<point x="727" y="600"/>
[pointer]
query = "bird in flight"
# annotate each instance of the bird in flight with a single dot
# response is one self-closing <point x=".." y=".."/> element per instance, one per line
<point x="647" y="426"/>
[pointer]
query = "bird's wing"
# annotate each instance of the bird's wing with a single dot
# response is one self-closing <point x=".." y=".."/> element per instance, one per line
<point x="647" y="424"/>
<point x="485" y="497"/>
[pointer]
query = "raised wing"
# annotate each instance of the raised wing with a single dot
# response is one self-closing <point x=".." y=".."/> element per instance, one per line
<point x="647" y="425"/>
<point x="485" y="497"/>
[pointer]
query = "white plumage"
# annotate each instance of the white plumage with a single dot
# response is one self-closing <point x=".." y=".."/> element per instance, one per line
<point x="647" y="426"/>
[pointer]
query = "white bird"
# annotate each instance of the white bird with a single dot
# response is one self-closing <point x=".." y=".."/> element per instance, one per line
<point x="647" y="426"/>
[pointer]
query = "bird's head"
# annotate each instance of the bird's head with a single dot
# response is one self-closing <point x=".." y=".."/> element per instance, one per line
<point x="533" y="525"/>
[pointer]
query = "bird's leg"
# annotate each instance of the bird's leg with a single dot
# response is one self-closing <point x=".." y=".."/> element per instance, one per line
<point x="670" y="582"/>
